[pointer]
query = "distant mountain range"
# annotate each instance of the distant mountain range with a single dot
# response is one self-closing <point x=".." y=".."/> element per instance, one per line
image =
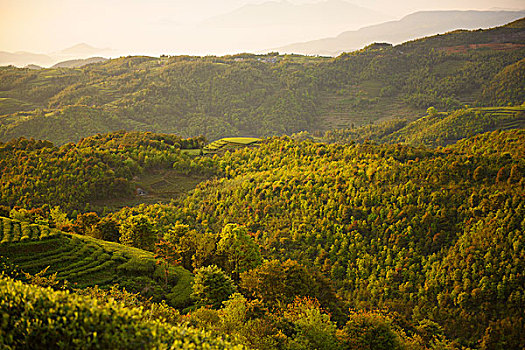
<point x="331" y="14"/>
<point x="79" y="63"/>
<point x="21" y="59"/>
<point x="255" y="27"/>
<point x="83" y="49"/>
<point x="416" y="25"/>
<point x="62" y="58"/>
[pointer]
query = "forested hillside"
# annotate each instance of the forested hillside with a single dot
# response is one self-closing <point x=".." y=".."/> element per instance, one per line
<point x="34" y="173"/>
<point x="250" y="95"/>
<point x="434" y="129"/>
<point x="313" y="243"/>
<point x="430" y="234"/>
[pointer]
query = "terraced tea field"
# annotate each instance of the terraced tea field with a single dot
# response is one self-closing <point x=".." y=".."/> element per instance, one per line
<point x="230" y="143"/>
<point x="86" y="261"/>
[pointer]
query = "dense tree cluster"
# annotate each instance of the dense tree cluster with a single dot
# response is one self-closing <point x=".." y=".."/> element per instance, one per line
<point x="296" y="233"/>
<point x="34" y="173"/>
<point x="432" y="235"/>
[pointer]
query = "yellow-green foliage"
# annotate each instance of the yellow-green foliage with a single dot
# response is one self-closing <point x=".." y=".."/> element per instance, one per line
<point x="88" y="261"/>
<point x="230" y="143"/>
<point x="40" y="318"/>
<point x="436" y="129"/>
<point x="101" y="167"/>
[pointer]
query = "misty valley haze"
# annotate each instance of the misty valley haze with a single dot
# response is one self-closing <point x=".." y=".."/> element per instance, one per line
<point x="200" y="27"/>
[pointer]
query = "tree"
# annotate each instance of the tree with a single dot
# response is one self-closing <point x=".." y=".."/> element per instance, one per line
<point x="166" y="253"/>
<point x="212" y="286"/>
<point x="276" y="283"/>
<point x="370" y="330"/>
<point x="431" y="111"/>
<point x="59" y="218"/>
<point x="182" y="241"/>
<point x="85" y="223"/>
<point x="239" y="250"/>
<point x="138" y="231"/>
<point x="313" y="328"/>
<point x="107" y="229"/>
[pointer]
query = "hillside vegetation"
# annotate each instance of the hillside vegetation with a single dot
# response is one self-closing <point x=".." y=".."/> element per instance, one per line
<point x="250" y="95"/>
<point x="436" y="128"/>
<point x="97" y="168"/>
<point x="432" y="235"/>
<point x="297" y="244"/>
<point x="40" y="318"/>
<point x="391" y="218"/>
<point x="85" y="262"/>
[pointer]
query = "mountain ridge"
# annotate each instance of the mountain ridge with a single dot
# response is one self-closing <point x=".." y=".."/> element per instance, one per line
<point x="402" y="30"/>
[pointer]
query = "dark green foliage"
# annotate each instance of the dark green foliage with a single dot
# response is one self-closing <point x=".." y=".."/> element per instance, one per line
<point x="507" y="87"/>
<point x="435" y="129"/>
<point x="212" y="286"/>
<point x="107" y="229"/>
<point x="275" y="283"/>
<point x="238" y="249"/>
<point x="370" y="331"/>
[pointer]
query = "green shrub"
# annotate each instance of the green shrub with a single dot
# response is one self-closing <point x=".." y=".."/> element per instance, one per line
<point x="212" y="286"/>
<point x="138" y="265"/>
<point x="44" y="233"/>
<point x="40" y="318"/>
<point x="7" y="231"/>
<point x="26" y="232"/>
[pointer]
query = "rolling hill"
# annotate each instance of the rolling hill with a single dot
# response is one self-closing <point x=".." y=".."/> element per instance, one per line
<point x="435" y="129"/>
<point x="259" y="95"/>
<point x="77" y="63"/>
<point x="85" y="261"/>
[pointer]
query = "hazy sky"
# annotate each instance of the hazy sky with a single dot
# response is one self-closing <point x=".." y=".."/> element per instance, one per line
<point x="174" y="26"/>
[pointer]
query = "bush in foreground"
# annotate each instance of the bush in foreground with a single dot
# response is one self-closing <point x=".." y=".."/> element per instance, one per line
<point x="32" y="317"/>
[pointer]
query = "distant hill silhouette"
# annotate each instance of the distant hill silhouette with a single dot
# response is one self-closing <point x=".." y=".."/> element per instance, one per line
<point x="286" y="13"/>
<point x="83" y="49"/>
<point x="79" y="63"/>
<point x="21" y="59"/>
<point x="410" y="27"/>
<point x="33" y="66"/>
<point x="71" y="54"/>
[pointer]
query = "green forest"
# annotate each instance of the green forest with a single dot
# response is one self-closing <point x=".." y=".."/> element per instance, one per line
<point x="375" y="200"/>
<point x="251" y="95"/>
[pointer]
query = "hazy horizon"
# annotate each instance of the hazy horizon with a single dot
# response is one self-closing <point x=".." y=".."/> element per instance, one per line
<point x="197" y="27"/>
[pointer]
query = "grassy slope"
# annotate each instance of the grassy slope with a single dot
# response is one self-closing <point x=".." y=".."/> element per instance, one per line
<point x="87" y="261"/>
<point x="447" y="128"/>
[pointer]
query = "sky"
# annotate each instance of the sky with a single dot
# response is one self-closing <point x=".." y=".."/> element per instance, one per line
<point x="181" y="26"/>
